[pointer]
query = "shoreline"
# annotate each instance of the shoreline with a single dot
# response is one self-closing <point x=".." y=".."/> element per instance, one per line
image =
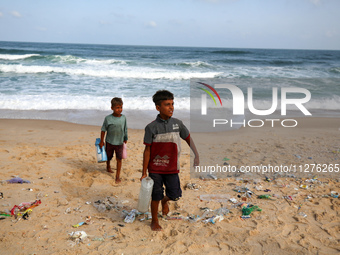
<point x="136" y="119"/>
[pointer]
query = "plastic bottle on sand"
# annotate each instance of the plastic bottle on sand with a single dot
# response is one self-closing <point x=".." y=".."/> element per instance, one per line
<point x="145" y="195"/>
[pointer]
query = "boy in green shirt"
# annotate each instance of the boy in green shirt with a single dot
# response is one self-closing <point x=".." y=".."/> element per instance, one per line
<point x="115" y="127"/>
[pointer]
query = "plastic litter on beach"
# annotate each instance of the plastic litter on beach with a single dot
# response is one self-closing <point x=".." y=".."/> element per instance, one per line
<point x="24" y="209"/>
<point x="304" y="186"/>
<point x="87" y="221"/>
<point x="268" y="179"/>
<point x="107" y="204"/>
<point x="264" y="196"/>
<point x="214" y="219"/>
<point x="17" y="180"/>
<point x="247" y="210"/>
<point x="147" y="216"/>
<point x="212" y="176"/>
<point x="78" y="236"/>
<point x="334" y="194"/>
<point x="215" y="197"/>
<point x="303" y="214"/>
<point x="131" y="216"/>
<point x="193" y="186"/>
<point x="4" y="215"/>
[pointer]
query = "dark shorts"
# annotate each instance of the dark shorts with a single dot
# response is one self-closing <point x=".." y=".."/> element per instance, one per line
<point x="110" y="149"/>
<point x="172" y="186"/>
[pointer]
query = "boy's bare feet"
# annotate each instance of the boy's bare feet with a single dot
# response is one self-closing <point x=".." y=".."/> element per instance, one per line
<point x="155" y="226"/>
<point x="165" y="206"/>
<point x="109" y="170"/>
<point x="118" y="180"/>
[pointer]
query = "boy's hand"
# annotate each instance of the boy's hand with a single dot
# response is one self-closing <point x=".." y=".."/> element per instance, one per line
<point x="101" y="144"/>
<point x="143" y="176"/>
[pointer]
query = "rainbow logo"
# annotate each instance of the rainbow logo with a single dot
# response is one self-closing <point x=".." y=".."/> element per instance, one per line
<point x="209" y="93"/>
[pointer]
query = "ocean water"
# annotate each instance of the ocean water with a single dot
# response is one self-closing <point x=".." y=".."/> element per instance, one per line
<point x="75" y="82"/>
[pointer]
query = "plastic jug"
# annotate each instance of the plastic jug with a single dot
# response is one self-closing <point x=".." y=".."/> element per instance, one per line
<point x="145" y="195"/>
<point x="124" y="155"/>
<point x="100" y="152"/>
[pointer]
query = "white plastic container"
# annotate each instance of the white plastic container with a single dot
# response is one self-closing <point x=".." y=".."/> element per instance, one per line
<point x="145" y="195"/>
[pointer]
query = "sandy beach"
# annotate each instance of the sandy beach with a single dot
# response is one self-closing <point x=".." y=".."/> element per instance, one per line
<point x="301" y="215"/>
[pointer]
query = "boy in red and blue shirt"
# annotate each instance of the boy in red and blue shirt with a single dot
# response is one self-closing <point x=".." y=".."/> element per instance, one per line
<point x="162" y="141"/>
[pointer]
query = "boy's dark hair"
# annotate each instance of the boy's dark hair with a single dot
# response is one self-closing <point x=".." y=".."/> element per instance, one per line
<point x="162" y="95"/>
<point x="116" y="101"/>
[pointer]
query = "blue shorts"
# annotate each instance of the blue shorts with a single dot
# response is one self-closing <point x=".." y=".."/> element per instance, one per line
<point x="172" y="186"/>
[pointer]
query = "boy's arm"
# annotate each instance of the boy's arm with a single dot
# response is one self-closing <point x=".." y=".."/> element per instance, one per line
<point x="102" y="135"/>
<point x="146" y="159"/>
<point x="192" y="145"/>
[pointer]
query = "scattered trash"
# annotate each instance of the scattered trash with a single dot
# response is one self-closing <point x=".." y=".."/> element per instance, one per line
<point x="304" y="186"/>
<point x="1" y="195"/>
<point x="245" y="216"/>
<point x="226" y="159"/>
<point x="87" y="221"/>
<point x="107" y="204"/>
<point x="240" y="189"/>
<point x="4" y="215"/>
<point x="222" y="211"/>
<point x="247" y="210"/>
<point x="193" y="186"/>
<point x="298" y="156"/>
<point x="233" y="200"/>
<point x="147" y="216"/>
<point x="212" y="176"/>
<point x="78" y="236"/>
<point x="264" y="196"/>
<point x="17" y="180"/>
<point x="303" y="214"/>
<point x="24" y="209"/>
<point x="214" y="219"/>
<point x="166" y="218"/>
<point x="267" y="179"/>
<point x="215" y="197"/>
<point x="98" y="239"/>
<point x="334" y="194"/>
<point x="267" y="190"/>
<point x="131" y="216"/>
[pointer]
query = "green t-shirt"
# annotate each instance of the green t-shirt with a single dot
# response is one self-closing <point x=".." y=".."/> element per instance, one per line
<point x="116" y="129"/>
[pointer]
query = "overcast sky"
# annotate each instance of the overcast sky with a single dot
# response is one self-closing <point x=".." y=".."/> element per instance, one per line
<point x="289" y="24"/>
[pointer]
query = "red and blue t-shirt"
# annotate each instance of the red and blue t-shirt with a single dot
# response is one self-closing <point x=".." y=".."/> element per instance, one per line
<point x="164" y="139"/>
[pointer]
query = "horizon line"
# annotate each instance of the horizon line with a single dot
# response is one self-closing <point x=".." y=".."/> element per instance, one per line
<point x="141" y="45"/>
